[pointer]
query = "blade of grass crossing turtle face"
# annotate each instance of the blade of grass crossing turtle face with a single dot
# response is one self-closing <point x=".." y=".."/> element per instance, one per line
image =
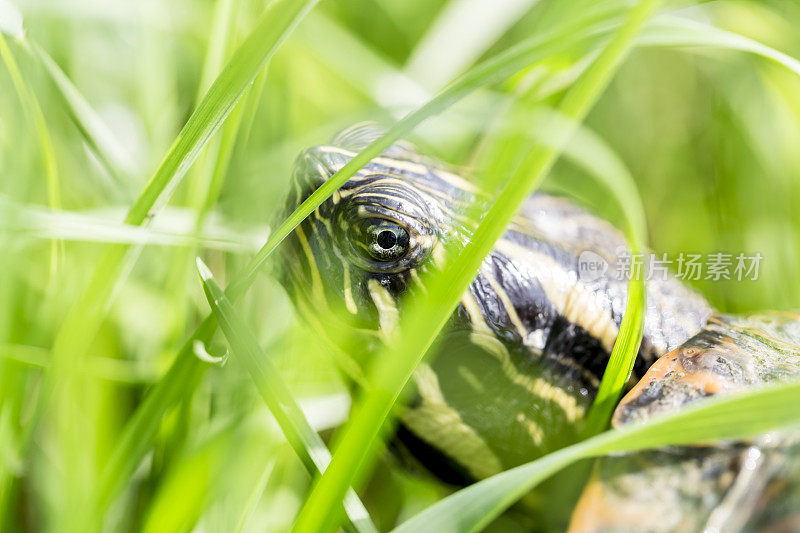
<point x="620" y="184"/>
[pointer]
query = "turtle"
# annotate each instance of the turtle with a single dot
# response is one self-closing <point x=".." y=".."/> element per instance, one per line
<point x="520" y="359"/>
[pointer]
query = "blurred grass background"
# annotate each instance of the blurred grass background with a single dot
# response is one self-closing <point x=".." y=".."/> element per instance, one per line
<point x="711" y="138"/>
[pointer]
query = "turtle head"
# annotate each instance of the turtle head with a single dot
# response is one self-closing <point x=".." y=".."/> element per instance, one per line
<point x="368" y="243"/>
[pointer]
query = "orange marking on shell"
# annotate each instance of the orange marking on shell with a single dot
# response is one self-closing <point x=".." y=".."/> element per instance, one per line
<point x="591" y="513"/>
<point x="601" y="509"/>
<point x="708" y="382"/>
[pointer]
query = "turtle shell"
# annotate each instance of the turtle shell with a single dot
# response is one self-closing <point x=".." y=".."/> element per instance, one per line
<point x="739" y="486"/>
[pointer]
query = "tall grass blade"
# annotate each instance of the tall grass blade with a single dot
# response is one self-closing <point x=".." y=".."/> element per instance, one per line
<point x="221" y="38"/>
<point x="26" y="222"/>
<point x="723" y="418"/>
<point x="32" y="109"/>
<point x="183" y="494"/>
<point x="109" y="151"/>
<point x="597" y="159"/>
<point x="105" y="368"/>
<point x="623" y="356"/>
<point x="672" y="31"/>
<point x="306" y="443"/>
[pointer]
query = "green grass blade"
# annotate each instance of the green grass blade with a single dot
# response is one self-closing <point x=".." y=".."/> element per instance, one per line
<point x="242" y="134"/>
<point x="623" y="356"/>
<point x="598" y="160"/>
<point x="277" y="22"/>
<point x="208" y="470"/>
<point x="33" y="110"/>
<point x="109" y="151"/>
<point x="306" y="443"/>
<point x="252" y="500"/>
<point x="590" y="153"/>
<point x="27" y="222"/>
<point x="184" y="492"/>
<point x="394" y="368"/>
<point x="727" y="418"/>
<point x="672" y="31"/>
<point x="107" y="368"/>
<point x="222" y="35"/>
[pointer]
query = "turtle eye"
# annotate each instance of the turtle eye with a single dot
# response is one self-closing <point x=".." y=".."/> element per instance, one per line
<point x="379" y="239"/>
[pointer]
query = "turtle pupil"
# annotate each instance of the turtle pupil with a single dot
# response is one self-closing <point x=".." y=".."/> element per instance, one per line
<point x="387" y="239"/>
